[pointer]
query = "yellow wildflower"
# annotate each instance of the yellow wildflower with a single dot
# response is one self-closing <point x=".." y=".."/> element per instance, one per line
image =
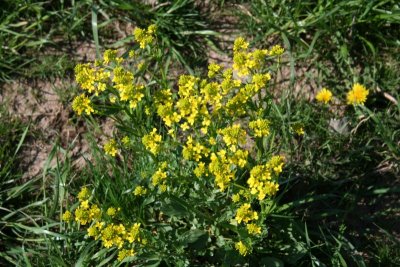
<point x="233" y="136"/>
<point x="109" y="56"/>
<point x="140" y="191"/>
<point x="213" y="69"/>
<point x="124" y="253"/>
<point x="241" y="247"/>
<point x="260" y="80"/>
<point x="276" y="50"/>
<point x="111" y="211"/>
<point x="82" y="104"/>
<point x="357" y="95"/>
<point x="145" y="37"/>
<point x="133" y="233"/>
<point x="298" y="128"/>
<point x="221" y="169"/>
<point x="93" y="231"/>
<point x="82" y="215"/>
<point x="94" y="212"/>
<point x="67" y="216"/>
<point x="160" y="175"/>
<point x="111" y="147"/>
<point x="152" y="141"/>
<point x="240" y="44"/>
<point x="260" y="127"/>
<point x="324" y="96"/>
<point x="245" y="214"/>
<point x="275" y="164"/>
<point x="236" y="198"/>
<point x="253" y="229"/>
<point x="85" y="76"/>
<point x="84" y="194"/>
<point x="200" y="169"/>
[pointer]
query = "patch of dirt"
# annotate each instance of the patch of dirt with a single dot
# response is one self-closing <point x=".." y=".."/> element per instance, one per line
<point x="39" y="104"/>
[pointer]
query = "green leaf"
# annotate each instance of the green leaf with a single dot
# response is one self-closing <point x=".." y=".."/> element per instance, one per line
<point x="175" y="207"/>
<point x="271" y="262"/>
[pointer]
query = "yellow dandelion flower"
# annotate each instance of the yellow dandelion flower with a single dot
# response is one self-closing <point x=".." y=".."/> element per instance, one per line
<point x="324" y="96"/>
<point x="357" y="95"/>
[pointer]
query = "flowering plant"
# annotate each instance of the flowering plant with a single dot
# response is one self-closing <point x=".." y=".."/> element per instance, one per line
<point x="191" y="168"/>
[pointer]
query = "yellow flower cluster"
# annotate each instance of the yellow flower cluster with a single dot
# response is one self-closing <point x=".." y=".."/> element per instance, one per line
<point x="244" y="62"/>
<point x="213" y="69"/>
<point x="223" y="166"/>
<point x="194" y="150"/>
<point x="260" y="127"/>
<point x="92" y="79"/>
<point x="86" y="213"/>
<point x="242" y="248"/>
<point x="128" y="90"/>
<point x="276" y="50"/>
<point x="152" y="141"/>
<point x="111" y="211"/>
<point x="259" y="181"/>
<point x="140" y="191"/>
<point x="145" y="37"/>
<point x="110" y="147"/>
<point x="122" y="236"/>
<point x="124" y="253"/>
<point x="82" y="104"/>
<point x="109" y="56"/>
<point x="253" y="229"/>
<point x="160" y="176"/>
<point x="96" y="79"/>
<point x="259" y="80"/>
<point x="233" y="136"/>
<point x="245" y="214"/>
<point x="221" y="169"/>
<point x="67" y="216"/>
